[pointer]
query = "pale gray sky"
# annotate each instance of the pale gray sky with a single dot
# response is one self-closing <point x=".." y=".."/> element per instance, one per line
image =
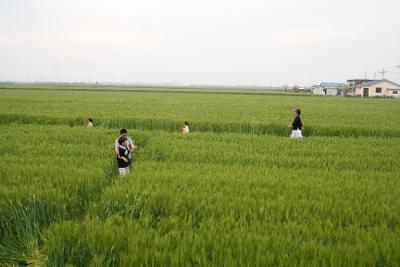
<point x="270" y="42"/>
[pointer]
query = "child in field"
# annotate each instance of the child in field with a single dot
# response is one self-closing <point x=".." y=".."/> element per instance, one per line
<point x="130" y="144"/>
<point x="123" y="156"/>
<point x="90" y="123"/>
<point x="185" y="128"/>
<point x="297" y="125"/>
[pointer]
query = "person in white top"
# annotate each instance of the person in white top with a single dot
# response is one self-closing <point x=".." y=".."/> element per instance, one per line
<point x="185" y="128"/>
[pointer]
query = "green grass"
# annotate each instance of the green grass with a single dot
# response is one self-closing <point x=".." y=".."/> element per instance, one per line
<point x="47" y="174"/>
<point x="237" y="192"/>
<point x="206" y="112"/>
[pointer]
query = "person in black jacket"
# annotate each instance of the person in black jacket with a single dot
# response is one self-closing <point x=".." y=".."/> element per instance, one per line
<point x="297" y="125"/>
<point x="123" y="157"/>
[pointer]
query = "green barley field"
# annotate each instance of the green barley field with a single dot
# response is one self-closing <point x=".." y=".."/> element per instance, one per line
<point x="237" y="192"/>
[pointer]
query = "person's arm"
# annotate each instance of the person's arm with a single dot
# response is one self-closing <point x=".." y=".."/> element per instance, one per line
<point x="116" y="145"/>
<point x="119" y="155"/>
<point x="292" y="124"/>
<point x="135" y="147"/>
<point x="296" y="121"/>
<point x="132" y="145"/>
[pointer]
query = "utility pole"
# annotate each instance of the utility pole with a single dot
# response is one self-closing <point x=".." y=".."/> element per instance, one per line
<point x="383" y="72"/>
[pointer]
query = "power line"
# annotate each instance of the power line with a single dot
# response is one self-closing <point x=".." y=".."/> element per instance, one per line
<point x="383" y="72"/>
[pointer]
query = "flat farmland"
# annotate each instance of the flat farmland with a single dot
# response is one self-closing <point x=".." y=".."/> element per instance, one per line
<point x="237" y="192"/>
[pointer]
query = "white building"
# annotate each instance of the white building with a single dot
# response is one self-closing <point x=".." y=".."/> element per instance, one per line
<point x="378" y="88"/>
<point x="331" y="89"/>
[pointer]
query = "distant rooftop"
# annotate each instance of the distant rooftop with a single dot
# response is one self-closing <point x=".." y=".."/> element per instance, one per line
<point x="332" y="84"/>
<point x="369" y="83"/>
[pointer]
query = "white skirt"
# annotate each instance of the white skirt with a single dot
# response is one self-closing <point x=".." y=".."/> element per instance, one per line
<point x="296" y="134"/>
<point x="123" y="171"/>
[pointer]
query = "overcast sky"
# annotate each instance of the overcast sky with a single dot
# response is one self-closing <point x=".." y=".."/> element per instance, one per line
<point x="265" y="42"/>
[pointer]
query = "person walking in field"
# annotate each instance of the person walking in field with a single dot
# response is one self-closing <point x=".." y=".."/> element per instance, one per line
<point x="130" y="145"/>
<point x="297" y="125"/>
<point x="185" y="128"/>
<point x="123" y="156"/>
<point x="90" y="123"/>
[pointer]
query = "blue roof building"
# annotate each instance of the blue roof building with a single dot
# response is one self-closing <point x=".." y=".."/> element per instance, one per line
<point x="328" y="88"/>
<point x="332" y="85"/>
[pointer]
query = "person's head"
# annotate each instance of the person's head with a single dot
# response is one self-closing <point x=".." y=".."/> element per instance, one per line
<point x="90" y="120"/>
<point x="297" y="111"/>
<point x="123" y="140"/>
<point x="123" y="132"/>
<point x="186" y="123"/>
